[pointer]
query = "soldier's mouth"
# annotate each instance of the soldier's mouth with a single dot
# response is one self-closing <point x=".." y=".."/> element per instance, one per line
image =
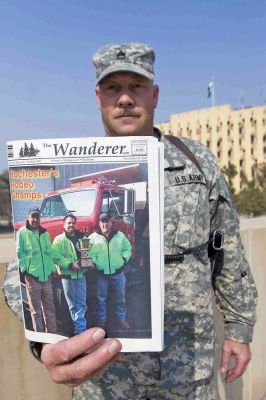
<point x="128" y="115"/>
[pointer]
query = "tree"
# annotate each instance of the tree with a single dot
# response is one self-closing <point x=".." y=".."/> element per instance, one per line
<point x="251" y="202"/>
<point x="230" y="172"/>
<point x="259" y="172"/>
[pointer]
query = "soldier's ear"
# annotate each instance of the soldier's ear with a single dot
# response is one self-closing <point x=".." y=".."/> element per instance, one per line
<point x="97" y="94"/>
<point x="155" y="95"/>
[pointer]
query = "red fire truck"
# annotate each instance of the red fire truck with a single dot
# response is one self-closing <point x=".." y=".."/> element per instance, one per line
<point x="117" y="192"/>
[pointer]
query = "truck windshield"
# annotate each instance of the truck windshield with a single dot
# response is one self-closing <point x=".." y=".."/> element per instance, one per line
<point x="81" y="203"/>
<point x="113" y="203"/>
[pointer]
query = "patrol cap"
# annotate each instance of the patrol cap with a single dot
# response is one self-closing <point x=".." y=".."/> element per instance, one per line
<point x="104" y="216"/>
<point x="128" y="57"/>
<point x="34" y="210"/>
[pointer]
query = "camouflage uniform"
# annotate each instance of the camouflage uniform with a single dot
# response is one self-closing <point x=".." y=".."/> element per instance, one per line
<point x="194" y="207"/>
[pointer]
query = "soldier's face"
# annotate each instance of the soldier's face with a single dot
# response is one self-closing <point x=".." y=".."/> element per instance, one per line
<point x="127" y="102"/>
<point x="34" y="220"/>
<point x="70" y="225"/>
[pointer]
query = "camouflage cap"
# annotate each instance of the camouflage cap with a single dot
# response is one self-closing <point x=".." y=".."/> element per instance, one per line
<point x="129" y="57"/>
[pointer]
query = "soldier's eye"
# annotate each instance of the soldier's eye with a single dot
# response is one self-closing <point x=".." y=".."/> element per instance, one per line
<point x="110" y="88"/>
<point x="138" y="87"/>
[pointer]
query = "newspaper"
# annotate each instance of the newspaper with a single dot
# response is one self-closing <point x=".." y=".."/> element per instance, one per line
<point x="88" y="221"/>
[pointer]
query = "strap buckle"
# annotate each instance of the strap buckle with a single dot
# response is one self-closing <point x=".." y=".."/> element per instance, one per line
<point x="217" y="240"/>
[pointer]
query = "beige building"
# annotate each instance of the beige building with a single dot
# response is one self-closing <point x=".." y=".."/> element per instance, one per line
<point x="236" y="136"/>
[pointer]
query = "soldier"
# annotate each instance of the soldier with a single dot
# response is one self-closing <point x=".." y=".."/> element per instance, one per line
<point x="194" y="210"/>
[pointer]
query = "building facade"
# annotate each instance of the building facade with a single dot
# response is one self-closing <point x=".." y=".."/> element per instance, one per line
<point x="234" y="136"/>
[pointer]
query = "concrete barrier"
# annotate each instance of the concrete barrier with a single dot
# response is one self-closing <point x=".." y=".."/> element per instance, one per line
<point x="252" y="386"/>
<point x="23" y="378"/>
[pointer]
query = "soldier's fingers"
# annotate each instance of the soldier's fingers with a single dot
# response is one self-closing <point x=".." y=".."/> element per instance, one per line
<point x="67" y="350"/>
<point x="237" y="371"/>
<point x="87" y="366"/>
<point x="226" y="354"/>
<point x="98" y="372"/>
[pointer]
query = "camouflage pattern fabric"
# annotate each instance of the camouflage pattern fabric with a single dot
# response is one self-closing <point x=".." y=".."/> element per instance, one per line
<point x="201" y="390"/>
<point x="11" y="289"/>
<point x="128" y="57"/>
<point x="193" y="209"/>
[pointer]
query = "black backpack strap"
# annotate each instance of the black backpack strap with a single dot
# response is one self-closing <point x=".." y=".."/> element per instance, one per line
<point x="184" y="148"/>
<point x="215" y="251"/>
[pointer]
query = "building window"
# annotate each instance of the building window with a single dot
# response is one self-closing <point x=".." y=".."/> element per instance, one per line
<point x="264" y="150"/>
<point x="264" y="139"/>
<point x="252" y="139"/>
<point x="229" y="153"/>
<point x="241" y="163"/>
<point x="208" y="143"/>
<point x="252" y="152"/>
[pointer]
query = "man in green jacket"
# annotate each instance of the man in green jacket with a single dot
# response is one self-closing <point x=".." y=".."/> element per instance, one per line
<point x="110" y="250"/>
<point x="66" y="256"/>
<point x="35" y="256"/>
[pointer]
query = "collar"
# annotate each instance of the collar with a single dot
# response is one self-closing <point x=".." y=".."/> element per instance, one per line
<point x="41" y="229"/>
<point x="157" y="133"/>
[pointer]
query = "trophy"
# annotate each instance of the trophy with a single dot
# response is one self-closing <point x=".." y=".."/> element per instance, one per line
<point x="83" y="246"/>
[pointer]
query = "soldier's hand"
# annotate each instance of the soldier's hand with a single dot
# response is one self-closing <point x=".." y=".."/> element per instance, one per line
<point x="67" y="362"/>
<point x="75" y="267"/>
<point x="241" y="354"/>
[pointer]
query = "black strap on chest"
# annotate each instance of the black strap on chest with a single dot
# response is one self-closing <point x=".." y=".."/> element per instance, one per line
<point x="184" y="148"/>
<point x="196" y="251"/>
<point x="215" y="243"/>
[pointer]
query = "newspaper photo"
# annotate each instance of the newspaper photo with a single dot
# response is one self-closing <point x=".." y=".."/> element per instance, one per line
<point x="88" y="222"/>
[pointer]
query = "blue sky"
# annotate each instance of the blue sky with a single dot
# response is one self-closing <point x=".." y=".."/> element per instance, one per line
<point x="47" y="77"/>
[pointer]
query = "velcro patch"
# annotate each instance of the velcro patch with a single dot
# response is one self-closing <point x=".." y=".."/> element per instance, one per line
<point x="188" y="178"/>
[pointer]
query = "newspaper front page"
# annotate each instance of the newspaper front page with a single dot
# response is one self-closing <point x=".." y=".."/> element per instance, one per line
<point x="88" y="220"/>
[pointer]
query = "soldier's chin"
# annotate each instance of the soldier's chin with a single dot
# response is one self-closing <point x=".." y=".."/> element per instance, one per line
<point x="127" y="129"/>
